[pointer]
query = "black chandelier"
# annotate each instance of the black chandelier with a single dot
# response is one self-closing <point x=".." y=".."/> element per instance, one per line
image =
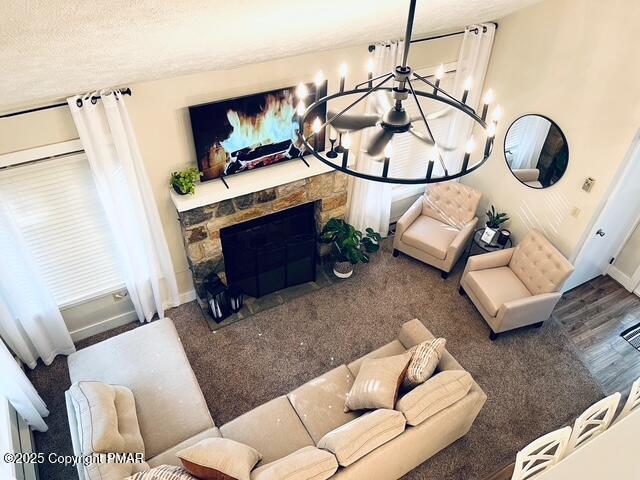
<point x="399" y="85"/>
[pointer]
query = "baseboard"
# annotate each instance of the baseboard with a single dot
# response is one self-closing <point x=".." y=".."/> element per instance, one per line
<point x="186" y="297"/>
<point x="104" y="325"/>
<point x="620" y="277"/>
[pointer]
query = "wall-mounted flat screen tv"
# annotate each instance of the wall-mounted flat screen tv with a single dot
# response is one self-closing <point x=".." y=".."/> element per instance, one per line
<point x="245" y="133"/>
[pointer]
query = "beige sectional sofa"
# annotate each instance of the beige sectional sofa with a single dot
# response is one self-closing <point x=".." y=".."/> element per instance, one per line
<point x="172" y="412"/>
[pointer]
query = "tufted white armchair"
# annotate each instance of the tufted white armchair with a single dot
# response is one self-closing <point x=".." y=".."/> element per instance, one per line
<point x="438" y="225"/>
<point x="517" y="286"/>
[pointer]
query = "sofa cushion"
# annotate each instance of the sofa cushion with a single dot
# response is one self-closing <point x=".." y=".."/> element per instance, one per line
<point x="163" y="472"/>
<point x="169" y="457"/>
<point x="378" y="382"/>
<point x="388" y="350"/>
<point x="320" y="402"/>
<point x="169" y="411"/>
<point x="362" y="435"/>
<point x="107" y="469"/>
<point x="107" y="418"/>
<point x="308" y="463"/>
<point x="539" y="265"/>
<point x="273" y="429"/>
<point x="495" y="286"/>
<point x="434" y="395"/>
<point x="219" y="459"/>
<point x="430" y="235"/>
<point x="424" y="360"/>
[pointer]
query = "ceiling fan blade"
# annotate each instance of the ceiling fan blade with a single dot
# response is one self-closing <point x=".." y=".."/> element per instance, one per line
<point x="379" y="141"/>
<point x="353" y="122"/>
<point x="443" y="112"/>
<point x="426" y="139"/>
<point x="421" y="136"/>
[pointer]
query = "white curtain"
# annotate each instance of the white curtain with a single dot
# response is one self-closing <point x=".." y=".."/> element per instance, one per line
<point x="117" y="166"/>
<point x="532" y="135"/>
<point x="18" y="390"/>
<point x="30" y="321"/>
<point x="472" y="62"/>
<point x="370" y="202"/>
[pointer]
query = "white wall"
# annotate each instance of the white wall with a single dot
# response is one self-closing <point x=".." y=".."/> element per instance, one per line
<point x="576" y="61"/>
<point x="160" y="118"/>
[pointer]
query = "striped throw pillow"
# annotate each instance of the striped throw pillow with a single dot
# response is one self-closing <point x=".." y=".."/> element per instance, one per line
<point x="163" y="472"/>
<point x="424" y="360"/>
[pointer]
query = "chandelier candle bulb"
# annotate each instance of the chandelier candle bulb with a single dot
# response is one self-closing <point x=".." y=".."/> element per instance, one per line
<point x="346" y="145"/>
<point x="439" y="75"/>
<point x="302" y="91"/>
<point x="468" y="150"/>
<point x="343" y="76"/>
<point x="497" y="114"/>
<point x="387" y="156"/>
<point x="300" y="111"/>
<point x="488" y="99"/>
<point x="317" y="125"/>
<point x="319" y="80"/>
<point x="491" y="133"/>
<point x="370" y="73"/>
<point x="467" y="87"/>
<point x="430" y="169"/>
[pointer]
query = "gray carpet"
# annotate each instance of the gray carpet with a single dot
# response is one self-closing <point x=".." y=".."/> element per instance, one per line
<point x="533" y="378"/>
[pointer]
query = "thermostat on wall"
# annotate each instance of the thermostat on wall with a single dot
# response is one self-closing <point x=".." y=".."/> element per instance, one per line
<point x="588" y="184"/>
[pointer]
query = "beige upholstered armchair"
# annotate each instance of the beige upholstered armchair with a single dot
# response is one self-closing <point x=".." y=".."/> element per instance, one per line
<point x="438" y="225"/>
<point x="517" y="286"/>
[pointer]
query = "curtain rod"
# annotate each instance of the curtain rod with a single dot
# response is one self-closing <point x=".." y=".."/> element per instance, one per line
<point x="94" y="99"/>
<point x="436" y="37"/>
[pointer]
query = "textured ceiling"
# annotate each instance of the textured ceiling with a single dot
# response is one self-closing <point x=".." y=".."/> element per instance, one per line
<point x="52" y="49"/>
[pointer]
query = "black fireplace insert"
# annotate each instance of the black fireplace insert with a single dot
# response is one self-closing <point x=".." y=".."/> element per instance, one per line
<point x="271" y="252"/>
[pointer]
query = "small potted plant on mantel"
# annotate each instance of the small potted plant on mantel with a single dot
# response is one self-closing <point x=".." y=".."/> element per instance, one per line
<point x="350" y="246"/>
<point x="184" y="182"/>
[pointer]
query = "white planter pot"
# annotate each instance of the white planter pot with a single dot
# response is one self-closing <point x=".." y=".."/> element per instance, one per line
<point x="343" y="269"/>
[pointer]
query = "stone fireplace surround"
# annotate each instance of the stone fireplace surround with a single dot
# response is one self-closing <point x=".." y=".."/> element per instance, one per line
<point x="201" y="225"/>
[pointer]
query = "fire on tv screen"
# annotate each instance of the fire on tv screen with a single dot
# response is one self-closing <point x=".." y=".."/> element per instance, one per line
<point x="239" y="134"/>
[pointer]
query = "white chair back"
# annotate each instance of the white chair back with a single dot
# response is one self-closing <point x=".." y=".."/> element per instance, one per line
<point x="633" y="401"/>
<point x="595" y="420"/>
<point x="541" y="454"/>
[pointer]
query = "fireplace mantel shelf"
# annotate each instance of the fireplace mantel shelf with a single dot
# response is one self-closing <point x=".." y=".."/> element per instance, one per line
<point x="214" y="191"/>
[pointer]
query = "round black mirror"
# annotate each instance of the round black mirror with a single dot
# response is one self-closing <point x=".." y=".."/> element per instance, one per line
<point x="536" y="151"/>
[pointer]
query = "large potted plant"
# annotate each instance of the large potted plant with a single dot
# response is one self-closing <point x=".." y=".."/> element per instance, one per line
<point x="350" y="246"/>
<point x="184" y="182"/>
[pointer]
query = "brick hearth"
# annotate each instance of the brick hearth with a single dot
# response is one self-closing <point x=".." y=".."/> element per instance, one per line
<point x="201" y="226"/>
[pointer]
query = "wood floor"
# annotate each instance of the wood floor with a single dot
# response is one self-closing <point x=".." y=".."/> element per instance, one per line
<point x="594" y="315"/>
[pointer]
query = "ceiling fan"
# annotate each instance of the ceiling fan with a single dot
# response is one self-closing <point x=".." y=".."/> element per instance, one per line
<point x="394" y="89"/>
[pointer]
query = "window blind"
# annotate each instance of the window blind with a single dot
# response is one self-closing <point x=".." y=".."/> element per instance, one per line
<point x="411" y="156"/>
<point x="58" y="211"/>
<point x="512" y="140"/>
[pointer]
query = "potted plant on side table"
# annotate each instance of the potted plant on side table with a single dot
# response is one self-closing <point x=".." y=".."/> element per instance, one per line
<point x="494" y="227"/>
<point x="350" y="246"/>
<point x="184" y="182"/>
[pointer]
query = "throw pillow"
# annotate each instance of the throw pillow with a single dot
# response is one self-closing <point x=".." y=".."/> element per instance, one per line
<point x="163" y="472"/>
<point x="377" y="383"/>
<point x="219" y="459"/>
<point x="107" y="418"/>
<point x="434" y="395"/>
<point x="424" y="359"/>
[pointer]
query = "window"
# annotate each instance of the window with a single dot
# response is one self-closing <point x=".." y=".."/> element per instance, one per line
<point x="410" y="155"/>
<point x="58" y="211"/>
